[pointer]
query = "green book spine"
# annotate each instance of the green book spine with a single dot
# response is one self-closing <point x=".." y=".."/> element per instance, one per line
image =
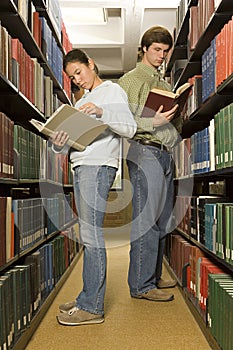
<point x="226" y="158"/>
<point x="230" y="112"/>
<point x="231" y="235"/>
<point x="221" y="139"/>
<point x="3" y="342"/>
<point x="227" y="232"/>
<point x="216" y="139"/>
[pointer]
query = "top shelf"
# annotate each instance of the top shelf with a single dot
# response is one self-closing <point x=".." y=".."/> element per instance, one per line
<point x="17" y="28"/>
<point x="180" y="45"/>
<point x="222" y="14"/>
<point x="42" y="8"/>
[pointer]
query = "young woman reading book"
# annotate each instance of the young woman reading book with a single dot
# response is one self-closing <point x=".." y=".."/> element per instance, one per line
<point x="94" y="172"/>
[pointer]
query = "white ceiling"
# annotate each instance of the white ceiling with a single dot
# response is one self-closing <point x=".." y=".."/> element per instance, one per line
<point x="114" y="45"/>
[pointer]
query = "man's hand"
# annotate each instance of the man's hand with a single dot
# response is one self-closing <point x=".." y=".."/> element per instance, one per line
<point x="162" y="118"/>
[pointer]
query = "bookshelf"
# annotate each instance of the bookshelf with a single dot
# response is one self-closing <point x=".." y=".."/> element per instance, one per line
<point x="13" y="21"/>
<point x="201" y="117"/>
<point x="24" y="339"/>
<point x="15" y="104"/>
<point x="221" y="15"/>
<point x="38" y="229"/>
<point x="180" y="44"/>
<point x="197" y="238"/>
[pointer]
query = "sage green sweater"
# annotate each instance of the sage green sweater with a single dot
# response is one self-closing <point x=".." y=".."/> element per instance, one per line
<point x="137" y="83"/>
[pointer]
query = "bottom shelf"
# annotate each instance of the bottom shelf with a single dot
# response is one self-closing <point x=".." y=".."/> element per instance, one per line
<point x="25" y="337"/>
<point x="198" y="317"/>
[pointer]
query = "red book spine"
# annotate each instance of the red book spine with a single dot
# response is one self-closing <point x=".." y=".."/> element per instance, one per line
<point x="37" y="28"/>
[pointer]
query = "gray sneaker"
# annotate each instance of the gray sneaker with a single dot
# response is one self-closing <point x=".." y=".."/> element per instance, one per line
<point x="76" y="317"/>
<point x="67" y="306"/>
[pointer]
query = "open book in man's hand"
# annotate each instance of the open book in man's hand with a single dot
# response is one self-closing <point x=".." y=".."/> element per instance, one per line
<point x="81" y="128"/>
<point x="168" y="99"/>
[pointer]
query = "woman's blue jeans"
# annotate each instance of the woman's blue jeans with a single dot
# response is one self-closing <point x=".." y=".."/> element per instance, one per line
<point x="91" y="189"/>
<point x="151" y="175"/>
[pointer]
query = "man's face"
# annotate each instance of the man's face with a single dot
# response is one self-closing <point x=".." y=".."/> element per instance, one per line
<point x="155" y="54"/>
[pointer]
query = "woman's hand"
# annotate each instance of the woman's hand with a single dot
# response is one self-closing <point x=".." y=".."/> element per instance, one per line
<point x="90" y="108"/>
<point x="59" y="139"/>
<point x="162" y="118"/>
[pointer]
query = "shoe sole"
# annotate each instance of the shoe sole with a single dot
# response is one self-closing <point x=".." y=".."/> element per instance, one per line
<point x="93" y="321"/>
<point x="151" y="299"/>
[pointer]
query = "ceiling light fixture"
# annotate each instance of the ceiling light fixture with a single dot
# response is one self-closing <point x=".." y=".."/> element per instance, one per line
<point x="161" y="4"/>
<point x="84" y="16"/>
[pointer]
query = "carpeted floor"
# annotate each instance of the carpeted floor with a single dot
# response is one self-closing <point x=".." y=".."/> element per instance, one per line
<point x="130" y="324"/>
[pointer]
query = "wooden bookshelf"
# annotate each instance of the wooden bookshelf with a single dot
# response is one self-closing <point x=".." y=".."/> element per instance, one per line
<point x="17" y="108"/>
<point x="222" y="14"/>
<point x="13" y="21"/>
<point x="192" y="307"/>
<point x="180" y="44"/>
<point x="200" y="118"/>
<point x="28" y="333"/>
<point x="197" y="120"/>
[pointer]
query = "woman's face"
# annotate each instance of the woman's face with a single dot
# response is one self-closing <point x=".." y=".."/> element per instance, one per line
<point x="81" y="74"/>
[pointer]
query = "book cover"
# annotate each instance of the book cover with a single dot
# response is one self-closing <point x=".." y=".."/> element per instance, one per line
<point x="5" y="280"/>
<point x="168" y="99"/>
<point x="207" y="267"/>
<point x="81" y="128"/>
<point x="9" y="224"/>
<point x="15" y="276"/>
<point x="2" y="231"/>
<point x="24" y="305"/>
<point x="3" y="342"/>
<point x="35" y="271"/>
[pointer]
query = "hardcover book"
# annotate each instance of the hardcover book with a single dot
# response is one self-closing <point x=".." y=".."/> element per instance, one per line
<point x="167" y="99"/>
<point x="81" y="128"/>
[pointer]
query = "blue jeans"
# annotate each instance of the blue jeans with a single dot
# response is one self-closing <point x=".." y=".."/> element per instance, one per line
<point x="91" y="189"/>
<point x="151" y="175"/>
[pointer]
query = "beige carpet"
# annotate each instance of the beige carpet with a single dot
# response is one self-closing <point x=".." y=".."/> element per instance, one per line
<point x="130" y="324"/>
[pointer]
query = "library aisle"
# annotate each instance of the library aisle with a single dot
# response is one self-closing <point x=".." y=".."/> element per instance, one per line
<point x="130" y="324"/>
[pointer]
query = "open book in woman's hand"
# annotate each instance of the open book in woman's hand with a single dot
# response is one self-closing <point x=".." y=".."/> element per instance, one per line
<point x="167" y="99"/>
<point x="81" y="128"/>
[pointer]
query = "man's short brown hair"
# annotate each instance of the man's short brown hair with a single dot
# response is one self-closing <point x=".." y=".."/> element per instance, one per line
<point x="156" y="34"/>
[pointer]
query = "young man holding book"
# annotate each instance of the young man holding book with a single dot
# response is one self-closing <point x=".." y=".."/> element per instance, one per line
<point x="150" y="167"/>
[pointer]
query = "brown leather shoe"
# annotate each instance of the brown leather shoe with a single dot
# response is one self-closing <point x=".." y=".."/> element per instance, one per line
<point x="166" y="283"/>
<point x="155" y="295"/>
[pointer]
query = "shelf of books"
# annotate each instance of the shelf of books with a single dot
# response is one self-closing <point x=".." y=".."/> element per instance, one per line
<point x="205" y="20"/>
<point x="180" y="33"/>
<point x="200" y="250"/>
<point x="38" y="226"/>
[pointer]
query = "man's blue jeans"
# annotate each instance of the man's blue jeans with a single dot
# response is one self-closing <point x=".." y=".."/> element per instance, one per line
<point x="91" y="188"/>
<point x="151" y="175"/>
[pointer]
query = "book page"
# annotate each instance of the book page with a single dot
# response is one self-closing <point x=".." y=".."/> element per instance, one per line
<point x="164" y="92"/>
<point x="182" y="88"/>
<point x="81" y="128"/>
<point x="78" y="126"/>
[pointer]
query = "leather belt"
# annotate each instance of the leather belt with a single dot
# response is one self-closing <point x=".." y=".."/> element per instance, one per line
<point x="153" y="144"/>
